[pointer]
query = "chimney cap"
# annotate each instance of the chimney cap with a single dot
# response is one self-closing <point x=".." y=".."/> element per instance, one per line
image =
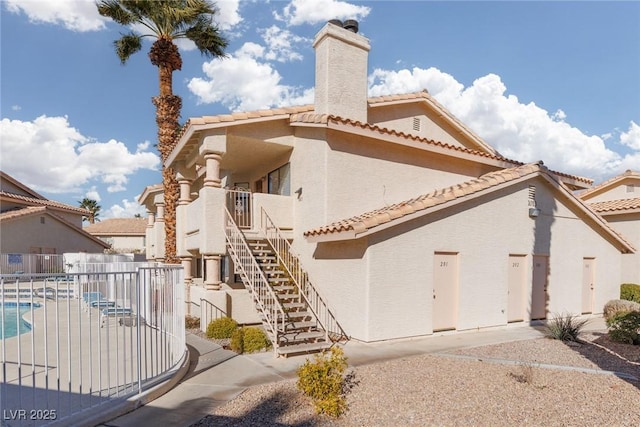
<point x="351" y="25"/>
<point x="336" y="22"/>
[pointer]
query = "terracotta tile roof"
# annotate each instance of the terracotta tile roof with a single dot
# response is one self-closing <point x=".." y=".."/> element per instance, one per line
<point x="17" y="213"/>
<point x="305" y="114"/>
<point x="365" y="222"/>
<point x="609" y="183"/>
<point x="118" y="226"/>
<point x="41" y="202"/>
<point x="325" y="119"/>
<point x="616" y="206"/>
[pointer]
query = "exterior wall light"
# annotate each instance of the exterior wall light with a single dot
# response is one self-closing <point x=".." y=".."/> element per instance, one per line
<point x="534" y="212"/>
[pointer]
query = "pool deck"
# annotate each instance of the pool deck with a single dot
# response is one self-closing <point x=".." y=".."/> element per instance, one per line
<point x="70" y="361"/>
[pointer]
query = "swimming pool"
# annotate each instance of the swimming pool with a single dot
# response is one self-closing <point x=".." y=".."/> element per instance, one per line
<point x="12" y="324"/>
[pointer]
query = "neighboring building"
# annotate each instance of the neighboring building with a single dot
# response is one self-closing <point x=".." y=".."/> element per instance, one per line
<point x="30" y="223"/>
<point x="403" y="220"/>
<point x="124" y="235"/>
<point x="618" y="201"/>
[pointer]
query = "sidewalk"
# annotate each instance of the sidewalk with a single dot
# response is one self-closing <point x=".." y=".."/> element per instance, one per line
<point x="217" y="375"/>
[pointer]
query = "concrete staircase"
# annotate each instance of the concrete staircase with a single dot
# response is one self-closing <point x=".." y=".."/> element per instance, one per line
<point x="300" y="332"/>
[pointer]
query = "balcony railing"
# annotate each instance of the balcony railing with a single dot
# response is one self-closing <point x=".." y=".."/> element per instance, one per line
<point x="77" y="346"/>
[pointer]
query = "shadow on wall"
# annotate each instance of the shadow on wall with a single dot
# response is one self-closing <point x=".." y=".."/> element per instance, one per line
<point x="542" y="210"/>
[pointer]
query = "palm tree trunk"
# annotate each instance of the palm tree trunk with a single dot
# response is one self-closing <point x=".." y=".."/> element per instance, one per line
<point x="167" y="113"/>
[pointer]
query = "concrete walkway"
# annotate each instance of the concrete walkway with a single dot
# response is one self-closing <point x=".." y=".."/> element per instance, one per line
<point x="217" y="375"/>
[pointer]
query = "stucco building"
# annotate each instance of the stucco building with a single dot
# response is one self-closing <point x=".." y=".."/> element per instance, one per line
<point x="618" y="201"/>
<point x="384" y="217"/>
<point x="31" y="223"/>
<point x="124" y="235"/>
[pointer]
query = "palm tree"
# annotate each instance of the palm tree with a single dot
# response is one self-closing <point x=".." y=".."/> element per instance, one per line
<point x="94" y="210"/>
<point x="166" y="21"/>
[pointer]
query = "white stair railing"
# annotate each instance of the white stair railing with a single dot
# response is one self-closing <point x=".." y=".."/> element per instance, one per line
<point x="266" y="300"/>
<point x="292" y="264"/>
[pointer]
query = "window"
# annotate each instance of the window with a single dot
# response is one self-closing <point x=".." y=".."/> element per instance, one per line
<point x="278" y="181"/>
<point x="41" y="220"/>
<point x="630" y="188"/>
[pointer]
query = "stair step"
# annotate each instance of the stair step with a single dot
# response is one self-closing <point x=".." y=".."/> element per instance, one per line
<point x="298" y="314"/>
<point x="265" y="257"/>
<point x="302" y="336"/>
<point x="285" y="290"/>
<point x="303" y="348"/>
<point x="292" y="326"/>
<point x="289" y="305"/>
<point x="279" y="279"/>
<point x="269" y="264"/>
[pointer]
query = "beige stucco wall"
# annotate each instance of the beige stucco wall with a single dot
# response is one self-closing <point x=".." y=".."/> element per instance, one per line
<point x="629" y="227"/>
<point x="400" y="118"/>
<point x="20" y="235"/>
<point x="381" y="287"/>
<point x="618" y="192"/>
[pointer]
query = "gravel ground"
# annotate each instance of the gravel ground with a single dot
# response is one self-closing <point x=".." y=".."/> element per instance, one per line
<point x="468" y="388"/>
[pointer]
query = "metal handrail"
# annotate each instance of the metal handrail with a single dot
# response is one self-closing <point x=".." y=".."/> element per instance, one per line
<point x="253" y="276"/>
<point x="292" y="264"/>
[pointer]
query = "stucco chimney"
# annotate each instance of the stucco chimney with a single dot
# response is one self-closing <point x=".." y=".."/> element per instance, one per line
<point x="341" y="71"/>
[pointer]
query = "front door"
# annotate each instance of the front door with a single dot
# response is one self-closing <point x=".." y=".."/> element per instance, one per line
<point x="516" y="285"/>
<point x="445" y="290"/>
<point x="588" y="274"/>
<point x="539" y="287"/>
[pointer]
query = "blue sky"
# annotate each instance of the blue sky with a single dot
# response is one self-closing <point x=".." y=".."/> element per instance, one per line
<point x="557" y="81"/>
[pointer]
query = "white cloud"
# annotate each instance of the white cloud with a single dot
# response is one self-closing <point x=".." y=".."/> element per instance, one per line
<point x="311" y="12"/>
<point x="228" y="16"/>
<point x="280" y="44"/>
<point x="16" y="108"/>
<point x="241" y="82"/>
<point x="62" y="160"/>
<point x="74" y="15"/>
<point x="523" y="132"/>
<point x="631" y="138"/>
<point x="125" y="209"/>
<point x="93" y="194"/>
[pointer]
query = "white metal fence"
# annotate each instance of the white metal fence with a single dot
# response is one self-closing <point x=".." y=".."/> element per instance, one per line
<point x="31" y="263"/>
<point x="94" y="341"/>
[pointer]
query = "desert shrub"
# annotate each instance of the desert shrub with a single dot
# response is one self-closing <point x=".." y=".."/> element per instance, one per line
<point x="221" y="328"/>
<point x="191" y="322"/>
<point x="237" y="341"/>
<point x="630" y="292"/>
<point x="255" y="340"/>
<point x="565" y="327"/>
<point x="618" y="307"/>
<point x="626" y="328"/>
<point x="325" y="382"/>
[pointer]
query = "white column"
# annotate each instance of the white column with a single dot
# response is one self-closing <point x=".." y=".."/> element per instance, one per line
<point x="212" y="175"/>
<point x="212" y="280"/>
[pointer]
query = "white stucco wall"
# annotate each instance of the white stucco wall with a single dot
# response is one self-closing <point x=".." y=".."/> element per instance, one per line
<point x="389" y="278"/>
<point x="618" y="192"/>
<point x="629" y="227"/>
<point x="20" y="235"/>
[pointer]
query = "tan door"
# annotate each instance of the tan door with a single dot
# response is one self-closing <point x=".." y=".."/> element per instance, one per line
<point x="588" y="276"/>
<point x="539" y="287"/>
<point x="516" y="285"/>
<point x="445" y="290"/>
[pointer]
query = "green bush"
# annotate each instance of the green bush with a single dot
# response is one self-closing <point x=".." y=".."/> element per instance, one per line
<point x="630" y="292"/>
<point x="565" y="327"/>
<point x="191" y="322"/>
<point x="324" y="381"/>
<point x="237" y="341"/>
<point x="221" y="328"/>
<point x="255" y="340"/>
<point x="618" y="307"/>
<point x="626" y="328"/>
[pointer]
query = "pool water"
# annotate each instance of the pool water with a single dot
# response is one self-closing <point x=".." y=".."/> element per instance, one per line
<point x="12" y="324"/>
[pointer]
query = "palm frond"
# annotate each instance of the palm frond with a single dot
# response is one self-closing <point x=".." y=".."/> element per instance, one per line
<point x="127" y="45"/>
<point x="208" y="39"/>
<point x="114" y="10"/>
